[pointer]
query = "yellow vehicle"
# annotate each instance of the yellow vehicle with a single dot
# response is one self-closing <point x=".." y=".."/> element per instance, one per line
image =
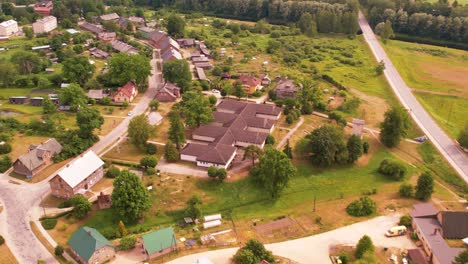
<point x="396" y="231"/>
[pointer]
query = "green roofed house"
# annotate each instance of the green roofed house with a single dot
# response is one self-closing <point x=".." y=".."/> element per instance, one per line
<point x="89" y="246"/>
<point x="159" y="242"/>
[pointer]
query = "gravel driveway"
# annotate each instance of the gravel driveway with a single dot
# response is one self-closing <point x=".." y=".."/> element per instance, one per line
<point x="314" y="249"/>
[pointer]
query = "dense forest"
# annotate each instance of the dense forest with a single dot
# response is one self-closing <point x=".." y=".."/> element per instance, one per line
<point x="338" y="16"/>
<point x="430" y="20"/>
<point x="439" y="20"/>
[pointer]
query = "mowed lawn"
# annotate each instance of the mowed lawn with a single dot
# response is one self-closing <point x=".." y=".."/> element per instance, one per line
<point x="439" y="78"/>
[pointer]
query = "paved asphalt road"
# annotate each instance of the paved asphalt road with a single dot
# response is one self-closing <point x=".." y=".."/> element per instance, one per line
<point x="448" y="147"/>
<point x="21" y="201"/>
<point x="314" y="249"/>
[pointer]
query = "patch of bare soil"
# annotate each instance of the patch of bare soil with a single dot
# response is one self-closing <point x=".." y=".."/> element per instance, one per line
<point x="453" y="75"/>
<point x="372" y="108"/>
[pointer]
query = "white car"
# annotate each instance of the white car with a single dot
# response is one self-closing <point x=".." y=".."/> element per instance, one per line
<point x="215" y="91"/>
<point x="130" y="113"/>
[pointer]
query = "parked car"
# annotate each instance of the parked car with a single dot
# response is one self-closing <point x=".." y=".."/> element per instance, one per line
<point x="130" y="113"/>
<point x="396" y="231"/>
<point x="215" y="91"/>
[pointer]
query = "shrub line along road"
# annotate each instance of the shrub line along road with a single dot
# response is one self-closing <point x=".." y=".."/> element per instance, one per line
<point x="447" y="146"/>
<point x="21" y="201"/>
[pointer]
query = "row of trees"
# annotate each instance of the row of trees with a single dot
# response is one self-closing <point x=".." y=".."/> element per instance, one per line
<point x="332" y="16"/>
<point x="433" y="23"/>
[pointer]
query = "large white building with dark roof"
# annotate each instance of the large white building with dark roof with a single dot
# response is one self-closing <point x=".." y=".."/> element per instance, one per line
<point x="235" y="124"/>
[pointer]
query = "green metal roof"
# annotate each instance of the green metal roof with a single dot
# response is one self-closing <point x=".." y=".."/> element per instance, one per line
<point x="86" y="240"/>
<point x="159" y="240"/>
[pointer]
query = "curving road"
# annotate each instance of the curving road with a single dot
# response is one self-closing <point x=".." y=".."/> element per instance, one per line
<point x="21" y="201"/>
<point x="447" y="146"/>
<point x="314" y="249"/>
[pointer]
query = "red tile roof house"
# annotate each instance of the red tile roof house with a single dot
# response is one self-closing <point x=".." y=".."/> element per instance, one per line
<point x="126" y="93"/>
<point x="44" y="8"/>
<point x="249" y="83"/>
<point x="78" y="176"/>
<point x="236" y="124"/>
<point x="433" y="227"/>
<point x="38" y="158"/>
<point x="168" y="93"/>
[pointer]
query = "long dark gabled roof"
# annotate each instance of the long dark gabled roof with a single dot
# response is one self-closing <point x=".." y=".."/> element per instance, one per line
<point x="455" y="224"/>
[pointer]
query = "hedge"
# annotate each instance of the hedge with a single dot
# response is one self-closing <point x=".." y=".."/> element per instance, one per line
<point x="435" y="42"/>
<point x="330" y="79"/>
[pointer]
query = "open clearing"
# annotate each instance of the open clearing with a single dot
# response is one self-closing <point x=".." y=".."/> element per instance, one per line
<point x="439" y="77"/>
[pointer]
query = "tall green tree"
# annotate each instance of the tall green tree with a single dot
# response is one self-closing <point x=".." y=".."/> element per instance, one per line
<point x="307" y="25"/>
<point x="81" y="206"/>
<point x="74" y="96"/>
<point x="327" y="146"/>
<point x="193" y="209"/>
<point x="124" y="67"/>
<point x="252" y="253"/>
<point x="253" y="152"/>
<point x="288" y="150"/>
<point x="8" y="73"/>
<point x="238" y="91"/>
<point x="28" y="62"/>
<point x="139" y="131"/>
<point x="462" y="258"/>
<point x="424" y="187"/>
<point x="88" y="119"/>
<point x="196" y="109"/>
<point x="394" y="126"/>
<point x="176" y="130"/>
<point x="78" y="70"/>
<point x="171" y="153"/>
<point x="354" y="147"/>
<point x="178" y="72"/>
<point x="273" y="171"/>
<point x="175" y="26"/>
<point x="364" y="245"/>
<point x="129" y="197"/>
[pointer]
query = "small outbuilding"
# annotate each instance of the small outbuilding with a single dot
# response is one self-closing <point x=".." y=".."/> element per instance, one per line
<point x="159" y="242"/>
<point x="18" y="99"/>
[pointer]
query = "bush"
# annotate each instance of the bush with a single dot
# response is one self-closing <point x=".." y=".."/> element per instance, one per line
<point x="151" y="149"/>
<point x="405" y="220"/>
<point x="364" y="245"/>
<point x="58" y="250"/>
<point x="5" y="148"/>
<point x="393" y="169"/>
<point x="49" y="223"/>
<point x="270" y="140"/>
<point x="425" y="187"/>
<point x="2" y="240"/>
<point x="127" y="243"/>
<point x="365" y="147"/>
<point x="112" y="172"/>
<point x="362" y="207"/>
<point x="65" y="204"/>
<point x="406" y="190"/>
<point x="150" y="171"/>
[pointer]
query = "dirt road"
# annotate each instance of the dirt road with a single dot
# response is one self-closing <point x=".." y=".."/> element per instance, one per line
<point x="314" y="249"/>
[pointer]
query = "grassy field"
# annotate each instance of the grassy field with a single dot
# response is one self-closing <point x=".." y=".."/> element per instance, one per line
<point x="439" y="76"/>
<point x="242" y="200"/>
